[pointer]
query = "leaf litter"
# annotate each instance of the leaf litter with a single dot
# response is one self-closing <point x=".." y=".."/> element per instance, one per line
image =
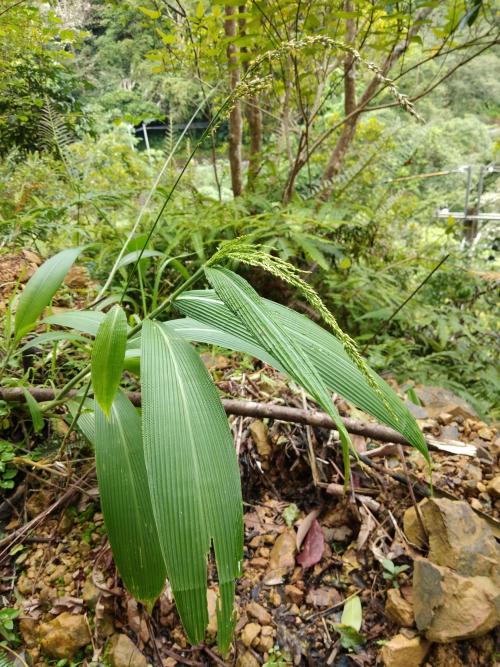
<point x="310" y="551"/>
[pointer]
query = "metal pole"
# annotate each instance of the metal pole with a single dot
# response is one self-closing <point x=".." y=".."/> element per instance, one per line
<point x="467" y="222"/>
<point x="476" y="235"/>
<point x="146" y="139"/>
<point x="480" y="187"/>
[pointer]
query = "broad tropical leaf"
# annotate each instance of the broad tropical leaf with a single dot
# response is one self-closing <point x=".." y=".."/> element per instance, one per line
<point x="40" y="289"/>
<point x="52" y="337"/>
<point x="86" y="321"/>
<point x="126" y="501"/>
<point x="201" y="332"/>
<point x="132" y="361"/>
<point x="108" y="354"/>
<point x="134" y="256"/>
<point x="215" y="324"/>
<point x="244" y="302"/>
<point x="193" y="476"/>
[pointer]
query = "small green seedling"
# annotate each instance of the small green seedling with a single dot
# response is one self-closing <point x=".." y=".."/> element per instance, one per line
<point x="7" y="617"/>
<point x="350" y="625"/>
<point x="7" y="470"/>
<point x="392" y="571"/>
<point x="412" y="396"/>
<point x="277" y="659"/>
<point x="290" y="514"/>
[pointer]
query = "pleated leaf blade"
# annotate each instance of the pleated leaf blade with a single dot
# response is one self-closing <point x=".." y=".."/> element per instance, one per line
<point x="212" y="322"/>
<point x="125" y="499"/>
<point x="244" y="302"/>
<point x="40" y="289"/>
<point x="85" y="417"/>
<point x="108" y="354"/>
<point x="201" y="332"/>
<point x="194" y="478"/>
<point x="52" y="337"/>
<point x="85" y="321"/>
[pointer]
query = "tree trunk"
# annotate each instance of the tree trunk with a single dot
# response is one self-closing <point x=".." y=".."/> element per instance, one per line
<point x="254" y="120"/>
<point x="253" y="115"/>
<point x="235" y="119"/>
<point x="349" y="130"/>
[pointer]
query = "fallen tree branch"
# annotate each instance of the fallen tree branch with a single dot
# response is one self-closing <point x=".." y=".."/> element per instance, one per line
<point x="311" y="418"/>
<point x="262" y="411"/>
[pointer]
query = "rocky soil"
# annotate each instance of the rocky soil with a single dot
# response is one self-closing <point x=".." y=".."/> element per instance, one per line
<point x="428" y="580"/>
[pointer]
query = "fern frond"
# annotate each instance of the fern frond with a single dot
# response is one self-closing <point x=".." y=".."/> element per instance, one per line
<point x="5" y="661"/>
<point x="55" y="134"/>
<point x="54" y="130"/>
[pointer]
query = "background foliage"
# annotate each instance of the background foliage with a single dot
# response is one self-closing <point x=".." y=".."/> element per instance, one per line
<point x="366" y="232"/>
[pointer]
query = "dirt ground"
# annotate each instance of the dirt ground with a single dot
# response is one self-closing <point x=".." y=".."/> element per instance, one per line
<point x="308" y="547"/>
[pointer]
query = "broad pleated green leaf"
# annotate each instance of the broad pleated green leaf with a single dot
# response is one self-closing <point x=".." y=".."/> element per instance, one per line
<point x="217" y="325"/>
<point x="52" y="337"/>
<point x="200" y="332"/>
<point x="134" y="256"/>
<point x="108" y="354"/>
<point x="244" y="302"/>
<point x="132" y="361"/>
<point x="86" y="321"/>
<point x="40" y="289"/>
<point x="125" y="499"/>
<point x="193" y="476"/>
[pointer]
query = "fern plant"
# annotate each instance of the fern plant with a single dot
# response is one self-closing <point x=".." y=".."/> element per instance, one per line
<point x="168" y="476"/>
<point x="56" y="135"/>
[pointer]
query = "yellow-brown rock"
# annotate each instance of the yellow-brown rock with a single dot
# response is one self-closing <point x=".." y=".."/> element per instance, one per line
<point x="64" y="636"/>
<point x="294" y="594"/>
<point x="282" y="558"/>
<point x="398" y="609"/>
<point x="247" y="659"/>
<point x="460" y="539"/>
<point x="29" y="631"/>
<point x="493" y="487"/>
<point x="250" y="633"/>
<point x="212" y="611"/>
<point x="257" y="611"/>
<point x="402" y="651"/>
<point x="449" y="607"/>
<point x="124" y="653"/>
<point x="412" y="528"/>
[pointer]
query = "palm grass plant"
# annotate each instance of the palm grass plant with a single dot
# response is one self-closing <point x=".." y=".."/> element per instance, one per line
<point x="168" y="475"/>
